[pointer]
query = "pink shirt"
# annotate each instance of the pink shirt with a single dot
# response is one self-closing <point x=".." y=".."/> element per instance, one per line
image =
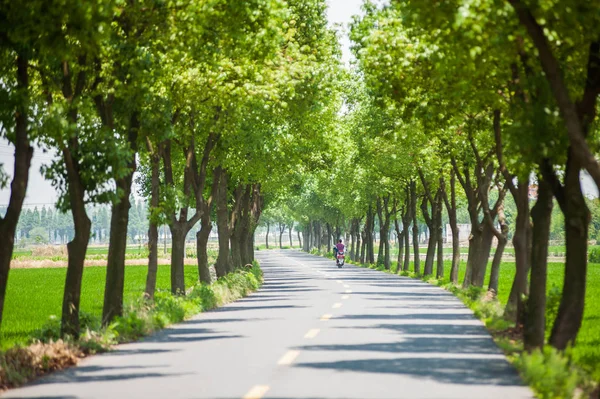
<point x="340" y="246"/>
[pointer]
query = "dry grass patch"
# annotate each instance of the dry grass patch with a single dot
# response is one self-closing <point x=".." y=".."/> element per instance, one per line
<point x="21" y="364"/>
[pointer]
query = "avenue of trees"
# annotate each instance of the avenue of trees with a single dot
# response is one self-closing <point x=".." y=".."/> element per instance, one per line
<point x="210" y="103"/>
<point x="460" y="106"/>
<point x="226" y="108"/>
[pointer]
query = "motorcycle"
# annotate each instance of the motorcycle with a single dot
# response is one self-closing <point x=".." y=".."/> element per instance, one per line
<point x="340" y="258"/>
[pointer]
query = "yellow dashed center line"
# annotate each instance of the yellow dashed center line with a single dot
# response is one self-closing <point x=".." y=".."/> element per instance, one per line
<point x="288" y="358"/>
<point x="312" y="333"/>
<point x="257" y="392"/>
<point x="346" y="286"/>
<point x="345" y="296"/>
<point x="326" y="317"/>
<point x="337" y="305"/>
<point x="348" y="291"/>
<point x="339" y="281"/>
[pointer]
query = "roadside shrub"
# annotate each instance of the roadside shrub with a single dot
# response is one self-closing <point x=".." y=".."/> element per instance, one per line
<point x="206" y="295"/>
<point x="133" y="325"/>
<point x="473" y="293"/>
<point x="49" y="332"/>
<point x="594" y="255"/>
<point x="552" y="303"/>
<point x="548" y="372"/>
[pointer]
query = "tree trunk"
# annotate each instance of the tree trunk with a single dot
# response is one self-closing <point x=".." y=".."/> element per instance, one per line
<point x="415" y="229"/>
<point x="451" y="208"/>
<point x="246" y="231"/>
<point x="328" y="237"/>
<point x="178" y="233"/>
<point x="235" y="241"/>
<point x="400" y="242"/>
<point x="431" y="225"/>
<point x="76" y="250"/>
<point x="290" y="227"/>
<point x="307" y="236"/>
<point x="370" y="225"/>
<point x="495" y="273"/>
<point x="281" y="231"/>
<point x="406" y="218"/>
<point x="117" y="247"/>
<point x="439" y="234"/>
<point x="514" y="308"/>
<point x="299" y="239"/>
<point x="480" y="246"/>
<point x="267" y="237"/>
<point x="358" y="246"/>
<point x="363" y="247"/>
<point x="577" y="217"/>
<point x="18" y="186"/>
<point x="353" y="238"/>
<point x="255" y="211"/>
<point x="535" y="322"/>
<point x="222" y="265"/>
<point x="201" y="248"/>
<point x="380" y="251"/>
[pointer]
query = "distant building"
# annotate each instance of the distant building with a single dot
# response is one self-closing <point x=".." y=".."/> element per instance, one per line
<point x="464" y="231"/>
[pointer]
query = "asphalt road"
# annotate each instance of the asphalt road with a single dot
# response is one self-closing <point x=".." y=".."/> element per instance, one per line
<point x="312" y="331"/>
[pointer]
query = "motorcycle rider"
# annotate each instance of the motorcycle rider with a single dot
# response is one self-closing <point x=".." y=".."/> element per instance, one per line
<point x="338" y="247"/>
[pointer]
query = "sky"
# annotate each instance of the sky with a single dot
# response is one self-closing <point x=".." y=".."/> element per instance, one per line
<point x="40" y="192"/>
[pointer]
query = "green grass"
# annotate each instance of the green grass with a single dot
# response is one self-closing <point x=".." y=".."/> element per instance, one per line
<point x="33" y="295"/>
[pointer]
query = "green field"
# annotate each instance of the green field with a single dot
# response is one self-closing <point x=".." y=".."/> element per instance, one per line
<point x="587" y="350"/>
<point x="33" y="295"/>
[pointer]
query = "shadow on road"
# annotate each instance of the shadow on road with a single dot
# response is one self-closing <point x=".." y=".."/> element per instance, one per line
<point x="82" y="374"/>
<point x="454" y="371"/>
<point x="481" y="346"/>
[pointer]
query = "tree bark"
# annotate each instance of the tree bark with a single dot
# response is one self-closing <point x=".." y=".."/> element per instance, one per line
<point x="281" y="231"/>
<point x="299" y="238"/>
<point x="246" y="231"/>
<point x="201" y="248"/>
<point x="177" y="260"/>
<point x="117" y="246"/>
<point x="415" y="229"/>
<point x="522" y="236"/>
<point x="406" y="219"/>
<point x="432" y="237"/>
<point x="290" y="227"/>
<point x="152" y="224"/>
<point x="535" y="322"/>
<point x="223" y="265"/>
<point x="451" y="209"/>
<point x="18" y="185"/>
<point x="439" y="234"/>
<point x="577" y="217"/>
<point x="77" y="247"/>
<point x="502" y="240"/>
<point x="370" y="239"/>
<point x="363" y="247"/>
<point x="267" y="236"/>
<point x="400" y="241"/>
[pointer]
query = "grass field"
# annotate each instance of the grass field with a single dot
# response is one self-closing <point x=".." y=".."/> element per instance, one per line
<point x="33" y="295"/>
<point x="587" y="350"/>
